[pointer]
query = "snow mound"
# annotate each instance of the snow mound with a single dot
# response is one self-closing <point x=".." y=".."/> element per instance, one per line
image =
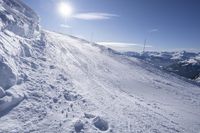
<point x="7" y="77"/>
<point x="16" y="17"/>
<point x="9" y="100"/>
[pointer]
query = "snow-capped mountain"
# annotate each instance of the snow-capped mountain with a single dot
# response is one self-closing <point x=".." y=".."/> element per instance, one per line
<point x="52" y="83"/>
<point x="186" y="64"/>
<point x="198" y="79"/>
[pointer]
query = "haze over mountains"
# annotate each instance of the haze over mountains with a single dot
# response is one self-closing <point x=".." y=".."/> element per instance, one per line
<point x="185" y="64"/>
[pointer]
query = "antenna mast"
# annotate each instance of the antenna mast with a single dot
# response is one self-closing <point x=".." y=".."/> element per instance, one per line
<point x="145" y="41"/>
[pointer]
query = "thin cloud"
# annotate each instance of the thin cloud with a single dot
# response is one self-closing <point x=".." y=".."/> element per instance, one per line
<point x="124" y="47"/>
<point x="123" y="44"/>
<point x="95" y="16"/>
<point x="65" y="26"/>
<point x="153" y="30"/>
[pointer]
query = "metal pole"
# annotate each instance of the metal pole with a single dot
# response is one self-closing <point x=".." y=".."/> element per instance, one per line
<point x="145" y="41"/>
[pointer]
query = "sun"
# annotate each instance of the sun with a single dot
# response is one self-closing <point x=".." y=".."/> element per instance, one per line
<point x="65" y="9"/>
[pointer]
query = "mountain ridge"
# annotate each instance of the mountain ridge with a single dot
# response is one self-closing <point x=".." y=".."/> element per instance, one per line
<point x="185" y="64"/>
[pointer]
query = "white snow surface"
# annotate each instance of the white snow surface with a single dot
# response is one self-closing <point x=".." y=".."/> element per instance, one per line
<point x="62" y="78"/>
<point x="17" y="17"/>
<point x="191" y="61"/>
<point x="54" y="83"/>
<point x="198" y="79"/>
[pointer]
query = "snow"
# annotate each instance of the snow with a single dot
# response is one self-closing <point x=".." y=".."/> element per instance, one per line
<point x="7" y="77"/>
<point x="198" y="79"/>
<point x="19" y="18"/>
<point x="190" y="61"/>
<point x="65" y="78"/>
<point x="100" y="124"/>
<point x="197" y="57"/>
<point x="8" y="103"/>
<point x="177" y="55"/>
<point x="10" y="17"/>
<point x="2" y="8"/>
<point x="2" y="92"/>
<point x="79" y="126"/>
<point x="58" y="83"/>
<point x="1" y="24"/>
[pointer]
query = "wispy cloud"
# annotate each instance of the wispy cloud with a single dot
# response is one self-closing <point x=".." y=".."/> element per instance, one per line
<point x="65" y="26"/>
<point x="123" y="46"/>
<point x="95" y="16"/>
<point x="153" y="30"/>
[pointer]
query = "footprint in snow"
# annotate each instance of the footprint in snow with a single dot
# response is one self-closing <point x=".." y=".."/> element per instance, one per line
<point x="100" y="123"/>
<point x="89" y="116"/>
<point x="78" y="126"/>
<point x="71" y="96"/>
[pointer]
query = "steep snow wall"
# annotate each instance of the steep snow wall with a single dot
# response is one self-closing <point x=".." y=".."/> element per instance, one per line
<point x="7" y="77"/>
<point x="15" y="16"/>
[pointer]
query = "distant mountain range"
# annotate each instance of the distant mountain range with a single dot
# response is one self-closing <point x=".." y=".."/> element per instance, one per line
<point x="186" y="64"/>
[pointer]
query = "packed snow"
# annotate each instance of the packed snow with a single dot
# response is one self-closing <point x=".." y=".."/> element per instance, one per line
<point x="52" y="83"/>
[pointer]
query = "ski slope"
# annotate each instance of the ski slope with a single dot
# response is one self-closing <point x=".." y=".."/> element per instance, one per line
<point x="54" y="83"/>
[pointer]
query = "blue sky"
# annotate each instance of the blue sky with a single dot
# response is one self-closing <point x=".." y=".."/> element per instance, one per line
<point x="169" y="24"/>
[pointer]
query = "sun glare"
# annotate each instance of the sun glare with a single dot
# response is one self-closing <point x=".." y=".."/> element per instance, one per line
<point x="65" y="9"/>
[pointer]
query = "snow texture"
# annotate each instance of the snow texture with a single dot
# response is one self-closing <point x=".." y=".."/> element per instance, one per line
<point x="7" y="77"/>
<point x="2" y="92"/>
<point x="18" y="18"/>
<point x="54" y="83"/>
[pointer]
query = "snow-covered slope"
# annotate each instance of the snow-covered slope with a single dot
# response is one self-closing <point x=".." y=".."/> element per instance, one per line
<point x="57" y="83"/>
<point x="198" y="79"/>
